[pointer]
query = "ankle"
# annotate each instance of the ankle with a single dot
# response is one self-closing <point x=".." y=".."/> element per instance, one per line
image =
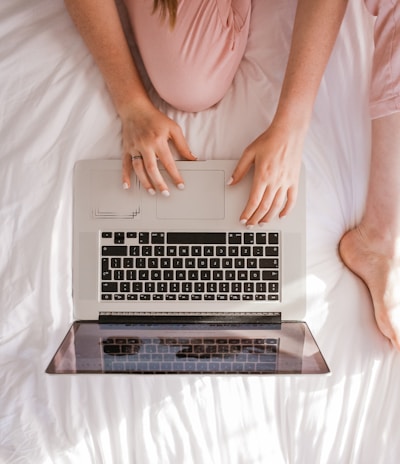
<point x="383" y="240"/>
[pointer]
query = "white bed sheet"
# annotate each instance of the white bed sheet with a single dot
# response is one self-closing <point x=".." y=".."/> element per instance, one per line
<point x="54" y="110"/>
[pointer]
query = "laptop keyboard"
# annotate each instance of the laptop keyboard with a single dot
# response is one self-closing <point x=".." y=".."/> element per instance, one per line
<point x="191" y="355"/>
<point x="182" y="266"/>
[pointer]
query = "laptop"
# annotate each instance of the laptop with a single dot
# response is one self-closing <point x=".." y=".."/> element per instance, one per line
<point x="176" y="285"/>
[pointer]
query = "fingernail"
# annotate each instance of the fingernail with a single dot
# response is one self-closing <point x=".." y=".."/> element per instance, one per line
<point x="243" y="221"/>
<point x="229" y="181"/>
<point x="194" y="155"/>
<point x="181" y="186"/>
<point x="125" y="186"/>
<point x="165" y="193"/>
<point x="250" y="226"/>
<point x="151" y="191"/>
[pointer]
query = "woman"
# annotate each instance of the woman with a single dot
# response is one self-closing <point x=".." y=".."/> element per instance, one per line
<point x="185" y="63"/>
<point x="276" y="153"/>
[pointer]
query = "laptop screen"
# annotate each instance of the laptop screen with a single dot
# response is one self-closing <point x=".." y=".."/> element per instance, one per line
<point x="188" y="348"/>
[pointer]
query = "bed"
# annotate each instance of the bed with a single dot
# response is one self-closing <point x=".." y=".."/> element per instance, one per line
<point x="55" y="110"/>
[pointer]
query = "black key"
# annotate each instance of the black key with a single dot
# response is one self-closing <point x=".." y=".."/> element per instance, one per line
<point x="125" y="287"/>
<point x="258" y="251"/>
<point x="187" y="238"/>
<point x="271" y="251"/>
<point x="261" y="287"/>
<point x="157" y="238"/>
<point x="273" y="287"/>
<point x="180" y="274"/>
<point x="134" y="250"/>
<point x="193" y="275"/>
<point x="115" y="262"/>
<point x="155" y="275"/>
<point x="235" y="238"/>
<point x="106" y="234"/>
<point x="131" y="274"/>
<point x="131" y="234"/>
<point x="143" y="274"/>
<point x="202" y="263"/>
<point x="162" y="287"/>
<point x="269" y="263"/>
<point x="152" y="263"/>
<point x="128" y="263"/>
<point x="245" y="251"/>
<point x="227" y="263"/>
<point x="159" y="250"/>
<point x="230" y="275"/>
<point x="144" y="238"/>
<point x="177" y="263"/>
<point x="149" y="287"/>
<point x="137" y="287"/>
<point x="273" y="238"/>
<point x="168" y="274"/>
<point x="249" y="238"/>
<point x="106" y="275"/>
<point x="114" y="250"/>
<point x="261" y="238"/>
<point x="171" y="251"/>
<point x="108" y="287"/>
<point x="190" y="263"/>
<point x="196" y="251"/>
<point x="119" y="238"/>
<point x="233" y="251"/>
<point x="183" y="251"/>
<point x="147" y="250"/>
<point x="140" y="263"/>
<point x="239" y="263"/>
<point x="205" y="275"/>
<point x="270" y="275"/>
<point x="242" y="275"/>
<point x="119" y="274"/>
<point x="220" y="251"/>
<point x="104" y="264"/>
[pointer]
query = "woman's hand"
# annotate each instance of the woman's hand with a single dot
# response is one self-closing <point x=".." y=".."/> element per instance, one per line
<point x="276" y="156"/>
<point x="146" y="133"/>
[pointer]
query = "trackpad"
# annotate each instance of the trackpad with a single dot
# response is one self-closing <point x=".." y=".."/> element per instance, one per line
<point x="202" y="198"/>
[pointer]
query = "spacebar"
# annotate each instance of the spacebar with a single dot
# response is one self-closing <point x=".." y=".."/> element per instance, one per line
<point x="199" y="238"/>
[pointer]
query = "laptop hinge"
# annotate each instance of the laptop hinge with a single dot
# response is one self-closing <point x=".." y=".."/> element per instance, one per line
<point x="190" y="318"/>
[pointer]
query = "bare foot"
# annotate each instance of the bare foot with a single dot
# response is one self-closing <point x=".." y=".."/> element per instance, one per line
<point x="381" y="273"/>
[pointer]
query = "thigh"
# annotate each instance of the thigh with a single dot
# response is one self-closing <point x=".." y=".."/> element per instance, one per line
<point x="385" y="84"/>
<point x="192" y="65"/>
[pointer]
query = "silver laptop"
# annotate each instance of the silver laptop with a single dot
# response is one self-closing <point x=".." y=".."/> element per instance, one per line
<point x="178" y="285"/>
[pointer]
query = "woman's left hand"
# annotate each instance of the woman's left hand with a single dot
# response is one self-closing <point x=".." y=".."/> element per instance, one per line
<point x="276" y="156"/>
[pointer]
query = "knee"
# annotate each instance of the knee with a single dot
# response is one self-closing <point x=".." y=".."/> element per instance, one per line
<point x="191" y="93"/>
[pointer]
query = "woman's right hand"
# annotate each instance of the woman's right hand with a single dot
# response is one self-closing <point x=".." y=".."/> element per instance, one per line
<point x="146" y="134"/>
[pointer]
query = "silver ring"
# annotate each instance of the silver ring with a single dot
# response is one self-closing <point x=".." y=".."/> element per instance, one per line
<point x="136" y="157"/>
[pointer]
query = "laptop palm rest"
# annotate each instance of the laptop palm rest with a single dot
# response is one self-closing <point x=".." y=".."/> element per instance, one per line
<point x="188" y="204"/>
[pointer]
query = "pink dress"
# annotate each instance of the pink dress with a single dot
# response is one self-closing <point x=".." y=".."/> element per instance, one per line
<point x="385" y="85"/>
<point x="192" y="65"/>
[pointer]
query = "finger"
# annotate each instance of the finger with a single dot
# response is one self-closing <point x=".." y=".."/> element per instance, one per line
<point x="169" y="164"/>
<point x="290" y="202"/>
<point x="242" y="168"/>
<point x="141" y="174"/>
<point x="150" y="166"/>
<point x="181" y="145"/>
<point x="257" y="194"/>
<point x="273" y="209"/>
<point x="126" y="171"/>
